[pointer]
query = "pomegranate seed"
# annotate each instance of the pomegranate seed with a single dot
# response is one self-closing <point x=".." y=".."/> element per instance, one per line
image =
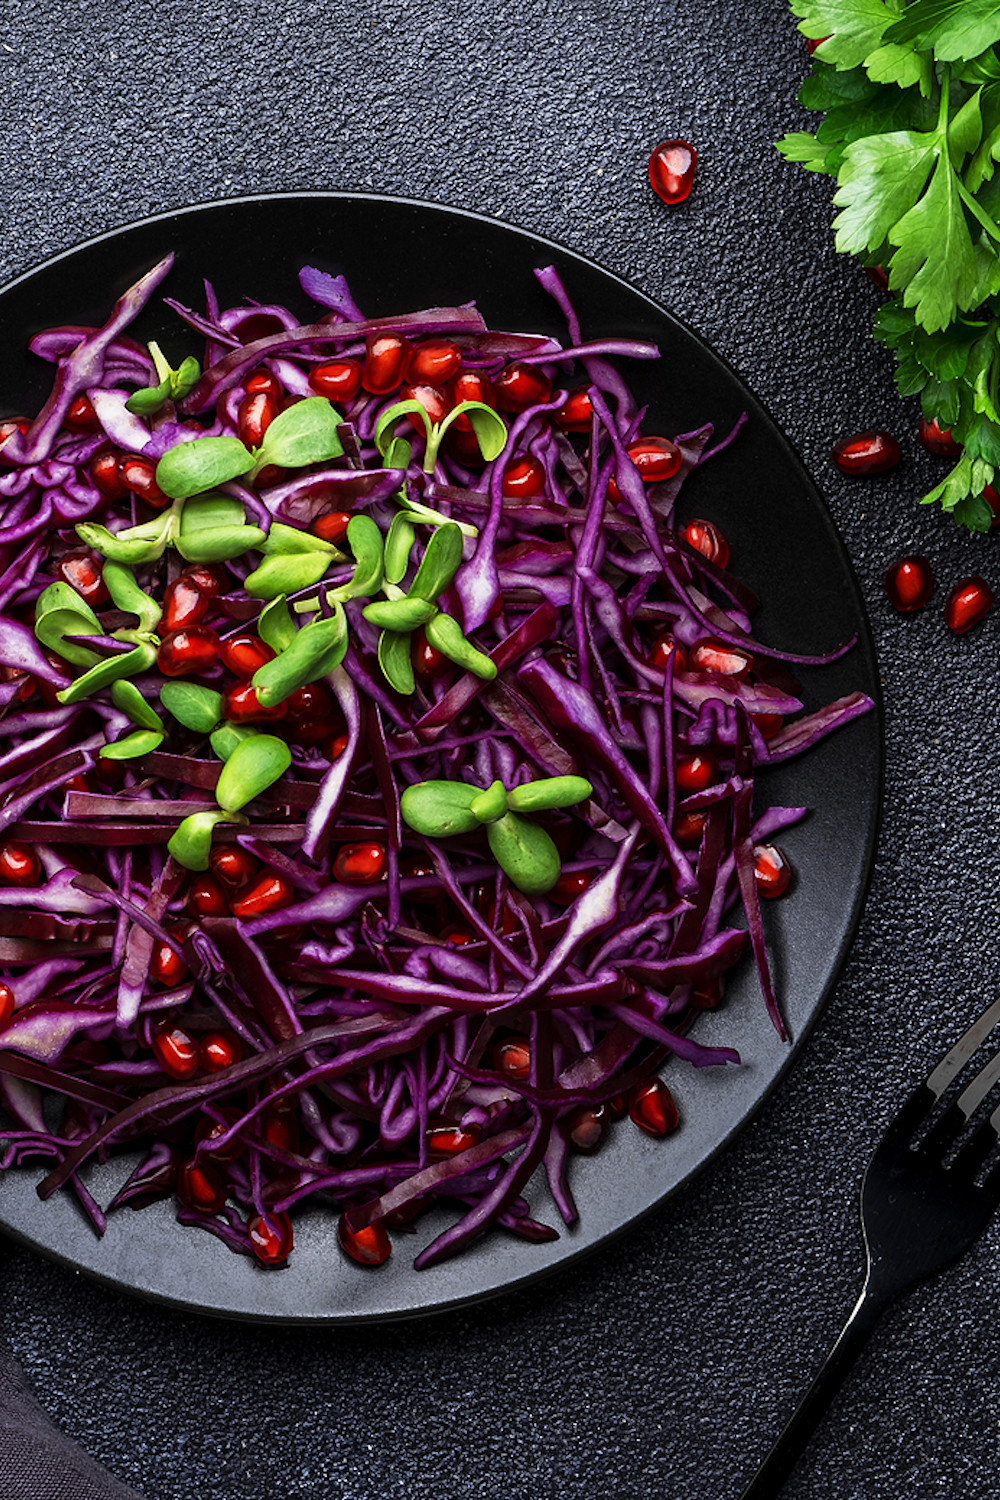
<point x="10" y="425"/>
<point x="688" y="829"/>
<point x="232" y="866"/>
<point x="210" y="1130"/>
<point x="513" y="1057"/>
<point x="908" y="583"/>
<point x="254" y="416"/>
<point x="359" y="864"/>
<point x="523" y="477"/>
<point x="428" y="661"/>
<point x="866" y="453"/>
<point x="656" y="458"/>
<point x="241" y="705"/>
<point x="208" y="580"/>
<point x="138" y="474"/>
<point x="206" y="897"/>
<point x="771" y="871"/>
<point x="167" y="967"/>
<point x="576" y="412"/>
<point x="434" y="362"/>
<point x="665" y="647"/>
<point x="7" y="1003"/>
<point x="651" y="1106"/>
<point x="105" y="473"/>
<point x="244" y="655"/>
<point x="993" y="501"/>
<point x="81" y="416"/>
<point x="768" y="724"/>
<point x="270" y="893"/>
<point x="311" y="701"/>
<point x="336" y="747"/>
<point x="969" y="602"/>
<point x="716" y="656"/>
<point x="449" y="1140"/>
<point x="264" y="380"/>
<point x="671" y="170"/>
<point x="370" y="1246"/>
<point x="616" y="1106"/>
<point x="280" y="1128"/>
<point x="571" y="883"/>
<point x="218" y="1050"/>
<point x="456" y="935"/>
<point x="84" y="573"/>
<point x="27" y="682"/>
<point x="706" y="538"/>
<point x="184" y="605"/>
<point x="271" y="1237"/>
<point x="813" y="42"/>
<point x="332" y="527"/>
<point x="520" y="386"/>
<point x="432" y="401"/>
<point x="176" y="1052"/>
<point x="469" y="385"/>
<point x="937" y="440"/>
<point x="19" y="865"/>
<point x="185" y="652"/>
<point x="337" y="380"/>
<point x="584" y="1128"/>
<point x="201" y="1188"/>
<point x="693" y="773"/>
<point x="386" y="355"/>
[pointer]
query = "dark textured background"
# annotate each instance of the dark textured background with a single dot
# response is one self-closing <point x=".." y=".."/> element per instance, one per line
<point x="662" y="1366"/>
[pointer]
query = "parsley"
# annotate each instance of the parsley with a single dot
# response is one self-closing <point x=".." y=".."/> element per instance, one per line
<point x="910" y="99"/>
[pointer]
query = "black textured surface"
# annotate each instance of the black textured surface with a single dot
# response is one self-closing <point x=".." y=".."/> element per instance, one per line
<point x="664" y="1365"/>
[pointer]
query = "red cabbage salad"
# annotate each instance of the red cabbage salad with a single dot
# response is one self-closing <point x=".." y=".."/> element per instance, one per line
<point x="378" y="762"/>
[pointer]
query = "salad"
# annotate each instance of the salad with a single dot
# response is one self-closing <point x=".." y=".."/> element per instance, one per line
<point x="378" y="757"/>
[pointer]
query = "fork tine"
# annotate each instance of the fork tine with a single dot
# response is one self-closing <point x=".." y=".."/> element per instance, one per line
<point x="967" y="1045"/>
<point x="973" y="1095"/>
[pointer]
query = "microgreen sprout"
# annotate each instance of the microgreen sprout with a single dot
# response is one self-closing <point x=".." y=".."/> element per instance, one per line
<point x="489" y="428"/>
<point x="173" y="385"/>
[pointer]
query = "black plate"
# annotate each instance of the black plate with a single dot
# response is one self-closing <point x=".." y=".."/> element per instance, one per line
<point x="399" y="255"/>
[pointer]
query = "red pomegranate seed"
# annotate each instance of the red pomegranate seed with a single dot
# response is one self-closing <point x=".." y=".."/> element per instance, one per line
<point x="83" y="572"/>
<point x="771" y="870"/>
<point x="571" y="883"/>
<point x="370" y="1246"/>
<point x="254" y="416"/>
<point x="520" y="386"/>
<point x="139" y="475"/>
<point x="202" y="1188"/>
<point x="332" y="527"/>
<point x="386" y="355"/>
<point x="909" y="582"/>
<point x="244" y="654"/>
<point x="335" y="749"/>
<point x="167" y="967"/>
<point x="105" y="473"/>
<point x="359" y="864"/>
<point x="241" y="705"/>
<point x="432" y="401"/>
<point x="27" y="682"/>
<point x="337" y="380"/>
<point x="456" y="935"/>
<point x="969" y="602"/>
<point x="280" y="1128"/>
<point x="7" y="1003"/>
<point x="209" y="580"/>
<point x="428" y="661"/>
<point x="445" y="1139"/>
<point x="271" y="1237"/>
<point x="688" y="829"/>
<point x="184" y="605"/>
<point x="651" y="1106"/>
<point x="813" y="42"/>
<point x="81" y="416"/>
<point x="264" y="380"/>
<point x="513" y="1057"/>
<point x="210" y="1130"/>
<point x="206" y="898"/>
<point x="434" y="362"/>
<point x="523" y="477"/>
<point x="469" y="385"/>
<point x="232" y="865"/>
<point x="576" y="412"/>
<point x="694" y="772"/>
<point x="768" y="724"/>
<point x="707" y="539"/>
<point x="584" y="1128"/>
<point x="937" y="440"/>
<point x="311" y="701"/>
<point x="185" y="652"/>
<point x="19" y="865"/>
<point x="864" y="453"/>
<point x="716" y="656"/>
<point x="218" y="1050"/>
<point x="656" y="458"/>
<point x="270" y="893"/>
<point x="176" y="1052"/>
<point x="671" y="170"/>
<point x="665" y="647"/>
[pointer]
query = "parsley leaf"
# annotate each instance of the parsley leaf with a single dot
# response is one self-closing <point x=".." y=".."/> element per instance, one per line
<point x="954" y="29"/>
<point x="881" y="178"/>
<point x="934" y="265"/>
<point x="854" y="27"/>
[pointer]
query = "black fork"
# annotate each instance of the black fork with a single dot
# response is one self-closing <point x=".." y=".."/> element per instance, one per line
<point x="924" y="1200"/>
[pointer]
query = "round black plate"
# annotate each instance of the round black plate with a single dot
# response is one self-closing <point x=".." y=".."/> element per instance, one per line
<point x="400" y="255"/>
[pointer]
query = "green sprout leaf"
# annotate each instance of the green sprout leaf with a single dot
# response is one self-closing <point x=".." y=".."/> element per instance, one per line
<point x="402" y="615"/>
<point x="305" y="433"/>
<point x="149" y="400"/>
<point x="197" y="708"/>
<point x="525" y="853"/>
<point x="129" y="596"/>
<point x="549" y="792"/>
<point x="316" y="650"/>
<point x="202" y="464"/>
<point x="62" y="614"/>
<point x="228" y="736"/>
<point x="384" y="440"/>
<point x="439" y="809"/>
<point x="488" y="425"/>
<point x="395" y="661"/>
<point x="439" y="564"/>
<point x="124" y="546"/>
<point x="139" y="742"/>
<point x="275" y="625"/>
<point x="126" y="696"/>
<point x="365" y="541"/>
<point x="254" y="765"/>
<point x="445" y="634"/>
<point x="191" y="845"/>
<point x="128" y="664"/>
<point x="398" y="545"/>
<point x="491" y="804"/>
<point x="286" y="574"/>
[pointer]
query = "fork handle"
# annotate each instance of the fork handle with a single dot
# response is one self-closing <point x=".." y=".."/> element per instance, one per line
<point x="779" y="1463"/>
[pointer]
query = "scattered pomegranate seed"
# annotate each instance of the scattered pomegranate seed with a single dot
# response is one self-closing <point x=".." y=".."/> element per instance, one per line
<point x="280" y="1128"/>
<point x="651" y="1106"/>
<point x="218" y="1050"/>
<point x="202" y="1188"/>
<point x="206" y="898"/>
<point x="271" y="1237"/>
<point x="209" y="580"/>
<point x="166" y="966"/>
<point x="184" y="605"/>
<point x="576" y="412"/>
<point x="270" y="893"/>
<point x="768" y="724"/>
<point x="866" y="453"/>
<point x="84" y="573"/>
<point x="571" y="883"/>
<point x="694" y="772"/>
<point x="909" y="582"/>
<point x="584" y="1128"/>
<point x="456" y="935"/>
<point x="337" y="380"/>
<point x="183" y="653"/>
<point x="19" y="865"/>
<point x="993" y="501"/>
<point x="449" y="1140"/>
<point x="332" y="527"/>
<point x="370" y="1246"/>
<point x="7" y="1003"/>
<point x="707" y="539"/>
<point x="264" y="381"/>
<point x="106" y="475"/>
<point x="969" y="602"/>
<point x="469" y="385"/>
<point x="813" y="42"/>
<point x="138" y="474"/>
<point x="513" y="1057"/>
<point x="771" y="870"/>
<point x="523" y="478"/>
<point x="241" y="705"/>
<point x="688" y="829"/>
<point x="359" y="864"/>
<point x="211" y="1130"/>
<point x="434" y="362"/>
<point x="937" y="440"/>
<point x="311" y="701"/>
<point x="81" y="416"/>
<point x="232" y="866"/>
<point x="428" y="661"/>
<point x="716" y="656"/>
<point x="335" y="749"/>
<point x="245" y="654"/>
<point x="671" y="170"/>
<point x="665" y="647"/>
<point x="254" y="416"/>
<point x="176" y="1052"/>
<point x="386" y="355"/>
<point x="656" y="458"/>
<point x="520" y="386"/>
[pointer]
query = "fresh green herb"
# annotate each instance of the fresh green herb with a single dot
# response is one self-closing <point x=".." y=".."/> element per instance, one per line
<point x="174" y="385"/>
<point x="910" y="95"/>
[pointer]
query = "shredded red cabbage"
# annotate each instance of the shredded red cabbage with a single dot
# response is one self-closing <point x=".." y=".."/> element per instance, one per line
<point x="339" y="1008"/>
